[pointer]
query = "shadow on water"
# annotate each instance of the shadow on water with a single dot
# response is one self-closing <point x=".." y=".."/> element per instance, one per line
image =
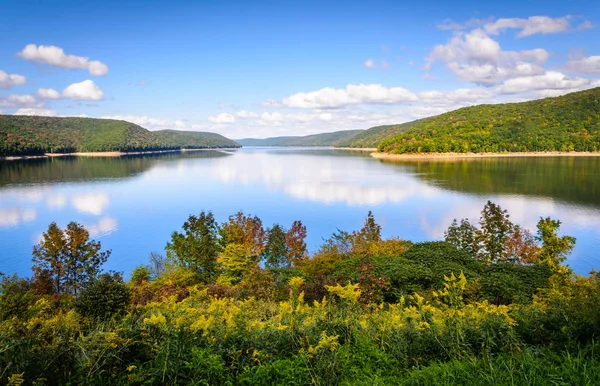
<point x="574" y="180"/>
<point x="76" y="169"/>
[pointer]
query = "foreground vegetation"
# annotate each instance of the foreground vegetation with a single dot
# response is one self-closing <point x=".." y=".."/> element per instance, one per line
<point x="566" y="123"/>
<point x="323" y="139"/>
<point x="235" y="303"/>
<point x="25" y="135"/>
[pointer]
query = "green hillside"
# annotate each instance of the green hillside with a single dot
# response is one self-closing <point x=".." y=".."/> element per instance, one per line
<point x="324" y="139"/>
<point x="32" y="135"/>
<point x="373" y="136"/>
<point x="566" y="123"/>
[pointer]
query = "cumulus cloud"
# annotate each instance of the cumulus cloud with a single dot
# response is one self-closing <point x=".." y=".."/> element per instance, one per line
<point x="586" y="66"/>
<point x="246" y="114"/>
<point x="8" y="81"/>
<point x="222" y="118"/>
<point x="148" y="122"/>
<point x="351" y="95"/>
<point x="585" y="26"/>
<point x="475" y="57"/>
<point x="40" y="112"/>
<point x="270" y="104"/>
<point x="20" y="101"/>
<point x="48" y="93"/>
<point x="530" y="26"/>
<point x="551" y="80"/>
<point x="83" y="91"/>
<point x="56" y="57"/>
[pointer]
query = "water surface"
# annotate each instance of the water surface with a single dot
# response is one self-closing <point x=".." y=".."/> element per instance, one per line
<point x="132" y="204"/>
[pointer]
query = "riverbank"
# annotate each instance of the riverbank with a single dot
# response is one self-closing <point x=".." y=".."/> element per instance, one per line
<point x="453" y="156"/>
<point x="106" y="153"/>
<point x="371" y="149"/>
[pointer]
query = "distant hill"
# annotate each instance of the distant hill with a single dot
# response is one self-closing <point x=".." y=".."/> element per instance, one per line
<point x="567" y="123"/>
<point x="324" y="139"/>
<point x="33" y="135"/>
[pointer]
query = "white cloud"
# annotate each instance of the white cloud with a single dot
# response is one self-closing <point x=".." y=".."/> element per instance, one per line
<point x="222" y="118"/>
<point x="48" y="93"/>
<point x="475" y="57"/>
<point x="585" y="26"/>
<point x="20" y="101"/>
<point x="351" y="95"/>
<point x="8" y="81"/>
<point x="83" y="91"/>
<point x="455" y="96"/>
<point x="551" y="80"/>
<point x="530" y="26"/>
<point x="40" y="112"/>
<point x="149" y="122"/>
<point x="270" y="104"/>
<point x="369" y="63"/>
<point x="91" y="203"/>
<point x="246" y="114"/>
<point x="55" y="56"/>
<point x="587" y="66"/>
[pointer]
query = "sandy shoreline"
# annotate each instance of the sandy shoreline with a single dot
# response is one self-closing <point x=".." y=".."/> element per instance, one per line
<point x="106" y="153"/>
<point x="450" y="156"/>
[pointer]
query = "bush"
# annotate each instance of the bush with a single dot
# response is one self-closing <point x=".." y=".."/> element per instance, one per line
<point x="104" y="298"/>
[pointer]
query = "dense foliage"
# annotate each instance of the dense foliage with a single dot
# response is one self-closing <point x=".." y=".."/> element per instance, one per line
<point x="33" y="135"/>
<point x="566" y="123"/>
<point x="323" y="139"/>
<point x="238" y="303"/>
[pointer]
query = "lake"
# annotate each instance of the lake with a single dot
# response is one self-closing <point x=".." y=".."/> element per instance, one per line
<point x="132" y="204"/>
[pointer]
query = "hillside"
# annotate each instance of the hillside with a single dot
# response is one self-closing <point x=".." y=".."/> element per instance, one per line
<point x="373" y="136"/>
<point x="566" y="123"/>
<point x="32" y="135"/>
<point x="324" y="139"/>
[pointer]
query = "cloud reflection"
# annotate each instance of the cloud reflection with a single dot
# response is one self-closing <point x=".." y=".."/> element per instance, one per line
<point x="14" y="216"/>
<point x="91" y="203"/>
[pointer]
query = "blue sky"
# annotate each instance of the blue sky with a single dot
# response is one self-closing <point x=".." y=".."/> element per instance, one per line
<point x="257" y="69"/>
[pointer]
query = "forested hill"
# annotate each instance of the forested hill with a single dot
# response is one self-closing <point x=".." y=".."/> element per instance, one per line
<point x="324" y="139"/>
<point x="566" y="123"/>
<point x="32" y="135"/>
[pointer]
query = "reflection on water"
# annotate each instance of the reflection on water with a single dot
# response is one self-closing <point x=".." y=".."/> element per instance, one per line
<point x="133" y="204"/>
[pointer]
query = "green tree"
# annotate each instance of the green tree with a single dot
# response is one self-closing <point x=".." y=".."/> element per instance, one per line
<point x="276" y="251"/>
<point x="462" y="236"/>
<point x="495" y="228"/>
<point x="197" y="247"/>
<point x="554" y="248"/>
<point x="236" y="261"/>
<point x="68" y="259"/>
<point x="104" y="298"/>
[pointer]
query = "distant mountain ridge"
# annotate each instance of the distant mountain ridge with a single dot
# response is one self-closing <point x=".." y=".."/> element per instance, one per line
<point x="323" y="139"/>
<point x="34" y="135"/>
<point x="566" y="123"/>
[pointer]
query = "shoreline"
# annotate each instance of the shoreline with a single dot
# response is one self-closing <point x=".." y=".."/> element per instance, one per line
<point x="107" y="154"/>
<point x="451" y="156"/>
<point x="371" y="149"/>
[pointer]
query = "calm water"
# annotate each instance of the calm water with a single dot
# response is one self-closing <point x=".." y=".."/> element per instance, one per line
<point x="133" y="204"/>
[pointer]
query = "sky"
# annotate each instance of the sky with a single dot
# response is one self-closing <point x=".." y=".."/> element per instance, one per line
<point x="271" y="68"/>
